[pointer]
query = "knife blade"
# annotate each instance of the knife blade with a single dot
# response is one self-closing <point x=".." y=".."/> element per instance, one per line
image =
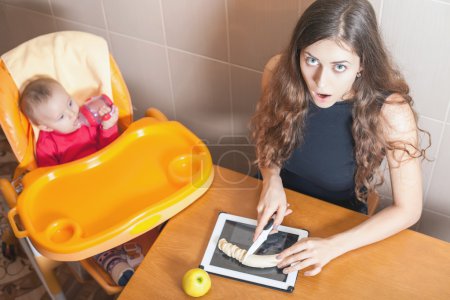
<point x="261" y="238"/>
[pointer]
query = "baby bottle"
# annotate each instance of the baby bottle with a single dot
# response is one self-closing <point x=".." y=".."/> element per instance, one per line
<point x="89" y="112"/>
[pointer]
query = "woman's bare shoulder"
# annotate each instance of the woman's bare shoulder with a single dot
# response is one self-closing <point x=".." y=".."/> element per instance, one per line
<point x="269" y="69"/>
<point x="398" y="117"/>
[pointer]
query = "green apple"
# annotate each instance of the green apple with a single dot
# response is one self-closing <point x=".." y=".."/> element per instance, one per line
<point x="196" y="282"/>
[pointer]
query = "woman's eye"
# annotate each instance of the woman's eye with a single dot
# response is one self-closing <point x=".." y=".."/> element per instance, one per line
<point x="312" y="61"/>
<point x="340" y="68"/>
<point x="70" y="103"/>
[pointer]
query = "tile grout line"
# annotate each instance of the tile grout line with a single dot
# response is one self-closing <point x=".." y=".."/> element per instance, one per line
<point x="175" y="49"/>
<point x="441" y="138"/>
<point x="432" y="119"/>
<point x="213" y="59"/>
<point x="230" y="84"/>
<point x="109" y="32"/>
<point x="441" y="2"/>
<point x="437" y="213"/>
<point x="105" y="21"/>
<point x="27" y="9"/>
<point x="52" y="13"/>
<point x="427" y="190"/>
<point x="166" y="50"/>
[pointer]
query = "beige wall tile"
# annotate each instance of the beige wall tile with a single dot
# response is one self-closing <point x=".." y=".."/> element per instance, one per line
<point x="448" y="109"/>
<point x="435" y="129"/>
<point x="138" y="18"/>
<point x="385" y="190"/>
<point x="244" y="156"/>
<point x="439" y="192"/>
<point x="197" y="26"/>
<point x="62" y="25"/>
<point x="89" y="12"/>
<point x="377" y="5"/>
<point x="435" y="225"/>
<point x="38" y="5"/>
<point x="145" y="69"/>
<point x="6" y="40"/>
<point x="24" y="25"/>
<point x="259" y="29"/>
<point x="417" y="33"/>
<point x="201" y="94"/>
<point x="303" y="5"/>
<point x="235" y="153"/>
<point x="246" y="91"/>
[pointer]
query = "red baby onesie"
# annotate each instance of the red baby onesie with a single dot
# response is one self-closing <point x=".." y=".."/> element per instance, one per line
<point x="54" y="148"/>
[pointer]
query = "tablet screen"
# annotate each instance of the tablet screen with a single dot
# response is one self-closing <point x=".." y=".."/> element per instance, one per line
<point x="239" y="231"/>
<point x="241" y="235"/>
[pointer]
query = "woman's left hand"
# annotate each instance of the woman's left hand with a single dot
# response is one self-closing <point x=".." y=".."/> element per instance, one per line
<point x="308" y="252"/>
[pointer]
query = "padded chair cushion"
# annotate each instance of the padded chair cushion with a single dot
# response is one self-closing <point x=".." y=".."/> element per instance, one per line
<point x="82" y="67"/>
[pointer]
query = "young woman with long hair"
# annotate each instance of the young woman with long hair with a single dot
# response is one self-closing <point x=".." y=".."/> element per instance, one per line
<point x="333" y="107"/>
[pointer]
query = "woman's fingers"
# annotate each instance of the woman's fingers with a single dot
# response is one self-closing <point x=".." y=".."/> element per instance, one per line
<point x="279" y="216"/>
<point x="266" y="215"/>
<point x="300" y="265"/>
<point x="293" y="259"/>
<point x="298" y="247"/>
<point x="305" y="253"/>
<point x="313" y="272"/>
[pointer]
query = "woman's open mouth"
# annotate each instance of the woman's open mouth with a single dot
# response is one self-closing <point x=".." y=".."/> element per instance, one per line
<point x="321" y="97"/>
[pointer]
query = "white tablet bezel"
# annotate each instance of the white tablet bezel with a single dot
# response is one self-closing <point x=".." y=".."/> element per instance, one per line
<point x="287" y="285"/>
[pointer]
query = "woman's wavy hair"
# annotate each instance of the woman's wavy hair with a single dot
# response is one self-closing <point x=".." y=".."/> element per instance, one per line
<point x="277" y="126"/>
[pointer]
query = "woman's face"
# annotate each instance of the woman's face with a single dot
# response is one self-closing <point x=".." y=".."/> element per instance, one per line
<point x="329" y="70"/>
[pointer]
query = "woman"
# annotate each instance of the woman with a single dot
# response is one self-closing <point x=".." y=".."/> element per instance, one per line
<point x="333" y="107"/>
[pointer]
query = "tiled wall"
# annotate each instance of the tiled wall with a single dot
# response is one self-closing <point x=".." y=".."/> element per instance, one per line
<point x="200" y="62"/>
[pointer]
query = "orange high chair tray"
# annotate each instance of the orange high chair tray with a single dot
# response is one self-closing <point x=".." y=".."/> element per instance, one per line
<point x="79" y="209"/>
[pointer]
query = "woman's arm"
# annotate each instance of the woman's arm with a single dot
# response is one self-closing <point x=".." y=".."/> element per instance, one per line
<point x="406" y="181"/>
<point x="273" y="197"/>
<point x="399" y="125"/>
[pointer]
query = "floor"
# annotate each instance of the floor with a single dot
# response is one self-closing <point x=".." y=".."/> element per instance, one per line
<point x="18" y="280"/>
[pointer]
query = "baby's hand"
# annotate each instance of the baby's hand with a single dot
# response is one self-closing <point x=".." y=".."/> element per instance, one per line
<point x="113" y="112"/>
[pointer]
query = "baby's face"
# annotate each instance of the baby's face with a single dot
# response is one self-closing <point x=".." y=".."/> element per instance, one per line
<point x="60" y="113"/>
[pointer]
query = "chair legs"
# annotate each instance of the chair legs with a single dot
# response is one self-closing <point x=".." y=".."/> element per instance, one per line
<point x="44" y="268"/>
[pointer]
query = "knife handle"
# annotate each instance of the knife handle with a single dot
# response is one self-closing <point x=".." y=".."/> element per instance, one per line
<point x="269" y="224"/>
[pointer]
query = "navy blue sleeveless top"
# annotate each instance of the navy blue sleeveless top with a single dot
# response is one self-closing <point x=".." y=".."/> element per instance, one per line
<point x="324" y="165"/>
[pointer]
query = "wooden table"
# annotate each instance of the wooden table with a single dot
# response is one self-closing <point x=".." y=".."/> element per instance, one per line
<point x="408" y="265"/>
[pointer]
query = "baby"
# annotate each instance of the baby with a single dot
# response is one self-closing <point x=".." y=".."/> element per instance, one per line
<point x="62" y="138"/>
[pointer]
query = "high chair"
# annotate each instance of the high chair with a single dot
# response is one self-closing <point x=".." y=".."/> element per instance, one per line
<point x="75" y="210"/>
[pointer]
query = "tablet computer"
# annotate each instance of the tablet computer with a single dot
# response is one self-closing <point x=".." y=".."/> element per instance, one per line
<point x="239" y="231"/>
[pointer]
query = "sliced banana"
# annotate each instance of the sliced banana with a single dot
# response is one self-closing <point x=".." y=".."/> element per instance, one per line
<point x="255" y="261"/>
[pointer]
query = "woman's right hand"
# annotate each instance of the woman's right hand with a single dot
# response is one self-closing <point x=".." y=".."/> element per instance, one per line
<point x="272" y="201"/>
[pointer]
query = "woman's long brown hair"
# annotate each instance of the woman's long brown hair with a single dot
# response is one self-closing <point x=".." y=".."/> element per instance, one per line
<point x="277" y="126"/>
